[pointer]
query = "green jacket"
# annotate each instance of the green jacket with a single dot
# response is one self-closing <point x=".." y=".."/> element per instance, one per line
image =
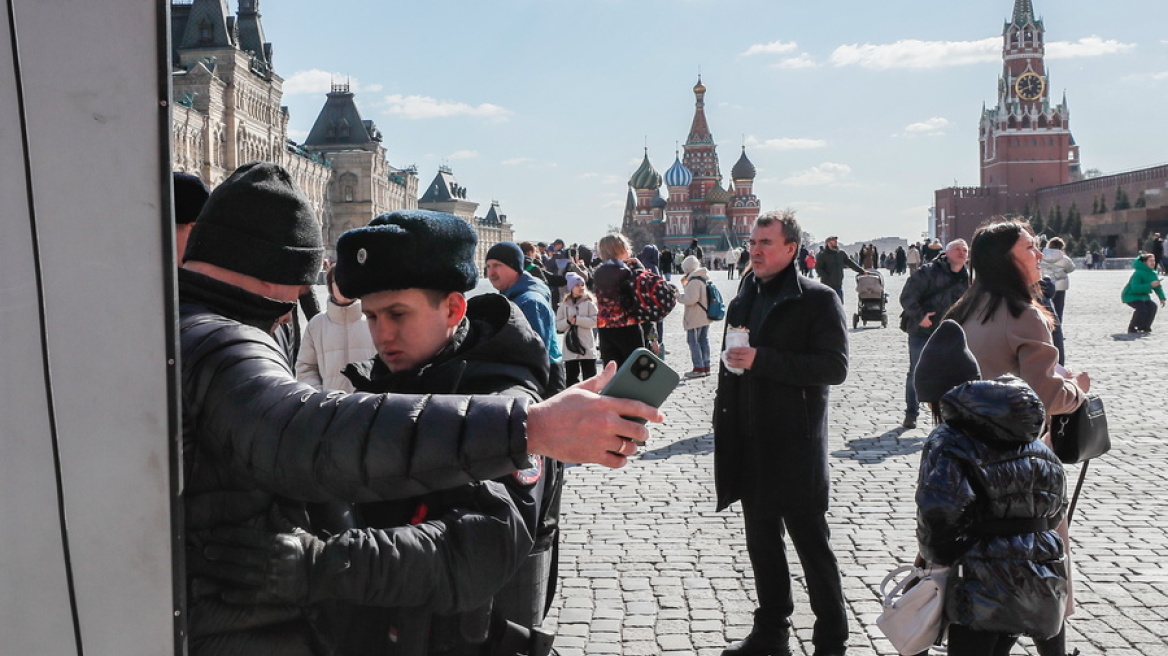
<point x="1140" y="285"/>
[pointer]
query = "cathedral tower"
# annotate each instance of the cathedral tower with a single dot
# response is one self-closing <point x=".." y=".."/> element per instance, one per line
<point x="1026" y="141"/>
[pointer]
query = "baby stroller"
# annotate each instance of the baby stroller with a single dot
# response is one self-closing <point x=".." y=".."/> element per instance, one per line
<point x="872" y="299"/>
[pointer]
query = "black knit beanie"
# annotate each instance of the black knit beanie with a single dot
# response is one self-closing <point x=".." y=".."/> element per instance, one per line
<point x="945" y="363"/>
<point x="407" y="249"/>
<point x="507" y="252"/>
<point x="258" y="223"/>
<point x="190" y="194"/>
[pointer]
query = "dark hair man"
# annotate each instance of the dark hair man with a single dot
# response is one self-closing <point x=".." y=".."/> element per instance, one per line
<point x="770" y="435"/>
<point x="830" y="263"/>
<point x="927" y="296"/>
<point x="257" y="443"/>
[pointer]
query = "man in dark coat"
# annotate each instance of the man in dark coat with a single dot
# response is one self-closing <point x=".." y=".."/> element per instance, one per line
<point x="257" y="444"/>
<point x="770" y="435"/>
<point x="830" y="263"/>
<point x="925" y="299"/>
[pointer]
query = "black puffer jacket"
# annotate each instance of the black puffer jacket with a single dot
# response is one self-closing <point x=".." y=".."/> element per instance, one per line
<point x="494" y="351"/>
<point x="988" y="499"/>
<point x="933" y="288"/>
<point x="256" y="441"/>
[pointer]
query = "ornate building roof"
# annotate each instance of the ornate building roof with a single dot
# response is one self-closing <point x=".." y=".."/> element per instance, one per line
<point x="743" y="168"/>
<point x="718" y="194"/>
<point x="678" y="175"/>
<point x="646" y="177"/>
<point x="340" y="124"/>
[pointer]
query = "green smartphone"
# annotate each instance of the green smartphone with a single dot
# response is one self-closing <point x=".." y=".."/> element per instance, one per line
<point x="643" y="377"/>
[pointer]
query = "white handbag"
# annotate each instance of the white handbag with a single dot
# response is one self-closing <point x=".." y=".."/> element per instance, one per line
<point x="912" y="619"/>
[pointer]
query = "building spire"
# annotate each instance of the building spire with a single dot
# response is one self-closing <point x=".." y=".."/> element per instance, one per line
<point x="1023" y="12"/>
<point x="699" y="131"/>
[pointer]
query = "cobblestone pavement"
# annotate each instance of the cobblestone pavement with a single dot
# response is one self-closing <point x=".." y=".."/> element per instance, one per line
<point x="648" y="567"/>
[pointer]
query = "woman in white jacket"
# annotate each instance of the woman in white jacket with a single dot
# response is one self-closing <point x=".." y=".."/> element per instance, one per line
<point x="695" y="321"/>
<point x="332" y="340"/>
<point x="1058" y="266"/>
<point x="578" y="309"/>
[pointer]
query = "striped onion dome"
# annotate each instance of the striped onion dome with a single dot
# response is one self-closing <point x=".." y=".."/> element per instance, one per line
<point x="743" y="168"/>
<point x="678" y="175"/>
<point x="646" y="176"/>
<point x="717" y="194"/>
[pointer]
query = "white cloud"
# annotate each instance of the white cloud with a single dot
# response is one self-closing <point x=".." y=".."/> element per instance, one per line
<point x="772" y="48"/>
<point x="316" y="81"/>
<point x="826" y="173"/>
<point x="913" y="53"/>
<point x="298" y="135"/>
<point x="517" y="161"/>
<point x="804" y="60"/>
<point x="613" y="205"/>
<point x="463" y="154"/>
<point x="934" y="127"/>
<point x="785" y="143"/>
<point x="917" y="54"/>
<point x="1140" y="78"/>
<point x="1090" y="46"/>
<point x="423" y="107"/>
<point x="606" y="179"/>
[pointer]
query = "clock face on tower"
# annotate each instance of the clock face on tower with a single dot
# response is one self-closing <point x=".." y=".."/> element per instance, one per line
<point x="1029" y="86"/>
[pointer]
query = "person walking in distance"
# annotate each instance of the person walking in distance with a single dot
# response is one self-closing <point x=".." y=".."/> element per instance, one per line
<point x="830" y="266"/>
<point x="926" y="297"/>
<point x="770" y="436"/>
<point x="1138" y="293"/>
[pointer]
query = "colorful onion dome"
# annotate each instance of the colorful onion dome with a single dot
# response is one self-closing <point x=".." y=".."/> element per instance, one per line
<point x="646" y="176"/>
<point x="743" y="169"/>
<point x="717" y="194"/>
<point x="678" y="175"/>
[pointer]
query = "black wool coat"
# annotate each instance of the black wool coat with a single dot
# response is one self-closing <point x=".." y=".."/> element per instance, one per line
<point x="770" y="423"/>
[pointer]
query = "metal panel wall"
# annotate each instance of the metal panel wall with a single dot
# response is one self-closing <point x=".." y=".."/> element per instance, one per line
<point x="87" y="322"/>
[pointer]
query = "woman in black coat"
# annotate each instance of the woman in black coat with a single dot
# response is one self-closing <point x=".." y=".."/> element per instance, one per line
<point x="989" y="497"/>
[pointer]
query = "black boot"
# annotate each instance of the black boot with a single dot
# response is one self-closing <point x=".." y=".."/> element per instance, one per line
<point x="760" y="643"/>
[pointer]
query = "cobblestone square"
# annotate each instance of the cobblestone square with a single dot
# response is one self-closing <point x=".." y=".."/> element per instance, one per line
<point x="648" y="567"/>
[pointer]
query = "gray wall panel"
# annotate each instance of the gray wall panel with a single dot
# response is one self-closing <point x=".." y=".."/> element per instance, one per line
<point x="91" y="74"/>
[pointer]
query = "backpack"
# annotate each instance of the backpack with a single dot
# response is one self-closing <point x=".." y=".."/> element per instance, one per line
<point x="652" y="297"/>
<point x="716" y="308"/>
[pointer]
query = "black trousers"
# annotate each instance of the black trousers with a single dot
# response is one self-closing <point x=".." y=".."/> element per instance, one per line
<point x="1144" y="315"/>
<point x="616" y="344"/>
<point x="577" y="368"/>
<point x="810" y="535"/>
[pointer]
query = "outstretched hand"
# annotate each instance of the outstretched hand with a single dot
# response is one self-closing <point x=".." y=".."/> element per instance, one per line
<point x="579" y="425"/>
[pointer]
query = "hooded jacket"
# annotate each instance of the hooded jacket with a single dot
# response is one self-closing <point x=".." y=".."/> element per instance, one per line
<point x="535" y="299"/>
<point x="1058" y="266"/>
<point x="989" y="496"/>
<point x="331" y="340"/>
<point x="257" y="442"/>
<point x="693" y="294"/>
<point x="1139" y="286"/>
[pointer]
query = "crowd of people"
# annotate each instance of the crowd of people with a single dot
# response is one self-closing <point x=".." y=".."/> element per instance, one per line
<point x="389" y="480"/>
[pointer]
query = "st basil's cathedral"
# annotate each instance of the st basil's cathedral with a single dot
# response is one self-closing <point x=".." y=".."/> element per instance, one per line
<point x="699" y="205"/>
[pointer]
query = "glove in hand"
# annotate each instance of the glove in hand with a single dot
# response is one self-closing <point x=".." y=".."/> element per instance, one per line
<point x="261" y="567"/>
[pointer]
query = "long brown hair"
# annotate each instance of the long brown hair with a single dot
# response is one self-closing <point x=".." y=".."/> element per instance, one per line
<point x="997" y="280"/>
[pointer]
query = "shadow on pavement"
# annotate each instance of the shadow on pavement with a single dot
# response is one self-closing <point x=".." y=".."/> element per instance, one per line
<point x="695" y="445"/>
<point x="880" y="448"/>
<point x="1129" y="337"/>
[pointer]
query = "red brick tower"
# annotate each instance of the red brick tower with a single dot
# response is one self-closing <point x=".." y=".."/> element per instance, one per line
<point x="1026" y="141"/>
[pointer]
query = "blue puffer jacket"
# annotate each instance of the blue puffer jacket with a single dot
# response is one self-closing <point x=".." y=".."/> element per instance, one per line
<point x="988" y="499"/>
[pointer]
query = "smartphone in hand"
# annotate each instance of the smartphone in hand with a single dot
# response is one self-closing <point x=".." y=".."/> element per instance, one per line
<point x="643" y="377"/>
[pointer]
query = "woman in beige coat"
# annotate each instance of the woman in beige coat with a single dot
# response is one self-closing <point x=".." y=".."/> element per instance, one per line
<point x="1009" y="332"/>
<point x="695" y="321"/>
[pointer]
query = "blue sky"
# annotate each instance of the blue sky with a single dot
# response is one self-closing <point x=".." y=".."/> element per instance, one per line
<point x="852" y="111"/>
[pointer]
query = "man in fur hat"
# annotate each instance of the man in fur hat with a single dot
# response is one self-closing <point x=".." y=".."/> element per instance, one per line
<point x="258" y="444"/>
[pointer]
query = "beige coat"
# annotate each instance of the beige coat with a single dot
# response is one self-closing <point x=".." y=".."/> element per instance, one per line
<point x="1022" y="346"/>
<point x="693" y="297"/>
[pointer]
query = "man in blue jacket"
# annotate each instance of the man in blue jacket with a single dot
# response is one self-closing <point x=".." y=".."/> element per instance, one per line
<point x="505" y="271"/>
